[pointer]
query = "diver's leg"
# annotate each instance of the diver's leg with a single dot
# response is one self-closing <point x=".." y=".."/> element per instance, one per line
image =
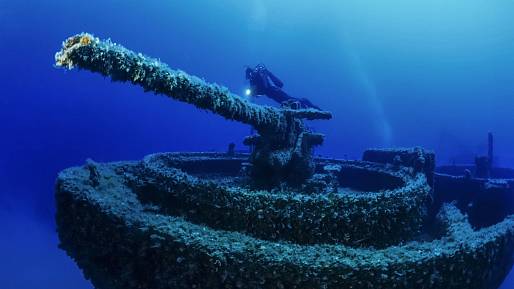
<point x="305" y="102"/>
<point x="278" y="95"/>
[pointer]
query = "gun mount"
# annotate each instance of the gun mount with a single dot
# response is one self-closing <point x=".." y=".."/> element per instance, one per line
<point x="283" y="146"/>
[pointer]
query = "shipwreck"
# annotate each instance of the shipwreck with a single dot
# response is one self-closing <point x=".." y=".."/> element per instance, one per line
<point x="275" y="218"/>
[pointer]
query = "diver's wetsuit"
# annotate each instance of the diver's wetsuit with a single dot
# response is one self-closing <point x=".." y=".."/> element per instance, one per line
<point x="263" y="82"/>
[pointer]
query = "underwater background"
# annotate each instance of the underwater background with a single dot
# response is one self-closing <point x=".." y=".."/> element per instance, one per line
<point x="437" y="74"/>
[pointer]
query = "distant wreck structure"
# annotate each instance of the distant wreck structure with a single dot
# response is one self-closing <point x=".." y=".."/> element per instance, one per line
<point x="275" y="218"/>
<point x="482" y="190"/>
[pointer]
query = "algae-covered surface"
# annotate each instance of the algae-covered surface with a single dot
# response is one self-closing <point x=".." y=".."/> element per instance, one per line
<point x="157" y="248"/>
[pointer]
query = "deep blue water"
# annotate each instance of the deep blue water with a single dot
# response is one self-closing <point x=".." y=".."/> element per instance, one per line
<point x="438" y="74"/>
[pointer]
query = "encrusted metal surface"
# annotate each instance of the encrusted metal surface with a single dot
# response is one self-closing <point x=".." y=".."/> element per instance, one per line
<point x="121" y="242"/>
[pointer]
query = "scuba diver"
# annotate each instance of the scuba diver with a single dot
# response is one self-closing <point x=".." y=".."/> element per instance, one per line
<point x="263" y="82"/>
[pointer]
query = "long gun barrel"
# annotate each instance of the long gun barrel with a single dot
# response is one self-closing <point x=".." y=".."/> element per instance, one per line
<point x="283" y="147"/>
<point x="109" y="59"/>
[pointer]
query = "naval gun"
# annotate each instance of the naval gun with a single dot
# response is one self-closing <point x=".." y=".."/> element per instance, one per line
<point x="282" y="146"/>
